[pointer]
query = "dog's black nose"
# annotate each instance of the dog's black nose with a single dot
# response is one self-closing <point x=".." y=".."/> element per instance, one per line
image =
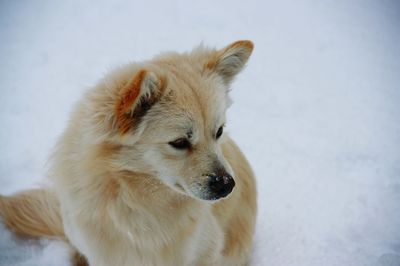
<point x="221" y="185"/>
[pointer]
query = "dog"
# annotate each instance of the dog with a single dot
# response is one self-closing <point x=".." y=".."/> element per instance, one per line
<point x="144" y="173"/>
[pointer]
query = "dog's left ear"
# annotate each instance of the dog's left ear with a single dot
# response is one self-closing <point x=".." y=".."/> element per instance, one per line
<point x="136" y="98"/>
<point x="229" y="61"/>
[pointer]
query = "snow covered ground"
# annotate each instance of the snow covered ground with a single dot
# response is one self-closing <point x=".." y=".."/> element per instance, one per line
<point x="316" y="111"/>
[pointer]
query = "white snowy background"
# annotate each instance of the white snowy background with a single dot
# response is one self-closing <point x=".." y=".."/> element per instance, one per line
<point x="316" y="111"/>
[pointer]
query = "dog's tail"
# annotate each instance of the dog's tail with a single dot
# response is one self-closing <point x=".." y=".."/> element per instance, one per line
<point x="33" y="213"/>
<point x="36" y="213"/>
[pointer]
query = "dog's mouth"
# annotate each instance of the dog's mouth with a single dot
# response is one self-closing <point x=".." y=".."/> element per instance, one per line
<point x="179" y="187"/>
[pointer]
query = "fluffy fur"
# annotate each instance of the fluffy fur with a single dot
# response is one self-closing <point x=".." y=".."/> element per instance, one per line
<point x="122" y="195"/>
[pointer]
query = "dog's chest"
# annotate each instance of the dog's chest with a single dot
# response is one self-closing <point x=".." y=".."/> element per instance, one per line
<point x="183" y="242"/>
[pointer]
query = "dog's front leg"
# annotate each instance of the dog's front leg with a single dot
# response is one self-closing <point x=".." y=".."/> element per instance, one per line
<point x="94" y="240"/>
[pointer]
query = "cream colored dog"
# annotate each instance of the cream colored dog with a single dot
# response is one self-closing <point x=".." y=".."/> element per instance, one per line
<point x="144" y="175"/>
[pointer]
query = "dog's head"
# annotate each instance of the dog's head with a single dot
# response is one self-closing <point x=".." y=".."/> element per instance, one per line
<point x="167" y="117"/>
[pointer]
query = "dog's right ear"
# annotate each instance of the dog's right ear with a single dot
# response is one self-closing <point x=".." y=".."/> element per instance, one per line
<point x="229" y="61"/>
<point x="136" y="98"/>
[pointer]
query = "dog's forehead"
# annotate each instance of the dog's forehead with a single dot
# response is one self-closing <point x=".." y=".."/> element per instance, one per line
<point x="200" y="97"/>
<point x="187" y="111"/>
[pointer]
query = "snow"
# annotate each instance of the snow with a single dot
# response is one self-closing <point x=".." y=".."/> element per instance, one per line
<point x="22" y="252"/>
<point x="316" y="111"/>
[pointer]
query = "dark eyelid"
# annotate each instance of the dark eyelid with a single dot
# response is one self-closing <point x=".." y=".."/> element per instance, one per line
<point x="180" y="144"/>
<point x="219" y="132"/>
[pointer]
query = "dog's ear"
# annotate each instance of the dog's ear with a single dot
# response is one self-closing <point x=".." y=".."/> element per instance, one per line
<point x="229" y="61"/>
<point x="136" y="98"/>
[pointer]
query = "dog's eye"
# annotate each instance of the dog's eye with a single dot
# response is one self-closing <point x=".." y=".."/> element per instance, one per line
<point x="219" y="132"/>
<point x="180" y="144"/>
